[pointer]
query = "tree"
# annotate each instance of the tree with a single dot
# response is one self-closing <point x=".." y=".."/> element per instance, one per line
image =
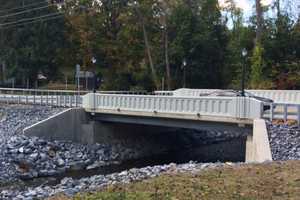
<point x="29" y="49"/>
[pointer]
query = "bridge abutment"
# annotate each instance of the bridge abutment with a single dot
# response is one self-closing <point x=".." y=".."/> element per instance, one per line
<point x="78" y="126"/>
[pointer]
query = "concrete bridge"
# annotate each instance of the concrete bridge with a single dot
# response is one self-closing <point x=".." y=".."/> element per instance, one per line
<point x="172" y="111"/>
<point x="109" y="112"/>
<point x="286" y="103"/>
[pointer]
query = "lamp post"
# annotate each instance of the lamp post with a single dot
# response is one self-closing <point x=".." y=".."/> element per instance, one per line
<point x="93" y="60"/>
<point x="184" y="73"/>
<point x="244" y="54"/>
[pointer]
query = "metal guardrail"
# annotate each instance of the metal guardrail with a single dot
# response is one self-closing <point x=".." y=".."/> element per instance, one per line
<point x="59" y="98"/>
<point x="278" y="96"/>
<point x="44" y="99"/>
<point x="282" y="111"/>
<point x="227" y="107"/>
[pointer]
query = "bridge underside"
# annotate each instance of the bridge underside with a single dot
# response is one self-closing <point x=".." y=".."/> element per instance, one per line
<point x="172" y="122"/>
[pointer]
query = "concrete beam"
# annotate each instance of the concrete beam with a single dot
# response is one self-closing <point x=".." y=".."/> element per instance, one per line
<point x="173" y="122"/>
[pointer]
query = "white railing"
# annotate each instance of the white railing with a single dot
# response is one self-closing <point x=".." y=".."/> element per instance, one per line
<point x="283" y="111"/>
<point x="228" y="107"/>
<point x="278" y="96"/>
<point x="59" y="98"/>
<point x="192" y="92"/>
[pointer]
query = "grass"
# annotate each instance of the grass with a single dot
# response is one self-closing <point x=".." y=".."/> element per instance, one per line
<point x="274" y="181"/>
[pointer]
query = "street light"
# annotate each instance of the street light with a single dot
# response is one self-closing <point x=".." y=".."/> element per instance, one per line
<point x="94" y="60"/>
<point x="184" y="72"/>
<point x="244" y="54"/>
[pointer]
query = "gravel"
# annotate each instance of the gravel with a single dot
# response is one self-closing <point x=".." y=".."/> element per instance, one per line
<point x="28" y="158"/>
<point x="25" y="158"/>
<point x="70" y="187"/>
<point x="284" y="142"/>
<point x="14" y="118"/>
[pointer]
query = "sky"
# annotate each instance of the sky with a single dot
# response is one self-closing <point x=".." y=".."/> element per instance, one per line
<point x="248" y="5"/>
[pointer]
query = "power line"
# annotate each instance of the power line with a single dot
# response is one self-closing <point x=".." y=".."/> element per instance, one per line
<point x="32" y="22"/>
<point x="25" y="11"/>
<point x="30" y="19"/>
<point x="22" y="7"/>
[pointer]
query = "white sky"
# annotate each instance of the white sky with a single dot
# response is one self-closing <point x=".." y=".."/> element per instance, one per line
<point x="246" y="5"/>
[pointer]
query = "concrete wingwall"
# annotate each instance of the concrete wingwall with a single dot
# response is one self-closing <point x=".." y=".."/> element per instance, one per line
<point x="258" y="145"/>
<point x="69" y="125"/>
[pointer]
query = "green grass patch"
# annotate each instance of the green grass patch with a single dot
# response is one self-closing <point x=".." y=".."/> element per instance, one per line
<point x="272" y="181"/>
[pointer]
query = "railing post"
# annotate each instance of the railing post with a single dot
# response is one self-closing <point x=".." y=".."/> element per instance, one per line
<point x="52" y="104"/>
<point x="47" y="97"/>
<point x="6" y="99"/>
<point x="70" y="100"/>
<point x="64" y="99"/>
<point x="34" y="93"/>
<point x="19" y="99"/>
<point x="76" y="103"/>
<point x="285" y="112"/>
<point x="23" y="95"/>
<point x="41" y="98"/>
<point x="26" y="98"/>
<point x="57" y="104"/>
<point x="271" y="112"/>
<point x="298" y="115"/>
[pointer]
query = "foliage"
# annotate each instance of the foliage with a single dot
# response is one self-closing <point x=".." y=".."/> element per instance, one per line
<point x="152" y="43"/>
<point x="257" y="78"/>
<point x="28" y="50"/>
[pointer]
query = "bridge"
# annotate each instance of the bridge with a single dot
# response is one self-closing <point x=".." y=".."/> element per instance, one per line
<point x="182" y="112"/>
<point x="182" y="103"/>
<point x="118" y="112"/>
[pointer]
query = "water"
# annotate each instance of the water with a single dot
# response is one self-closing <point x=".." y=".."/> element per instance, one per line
<point x="232" y="150"/>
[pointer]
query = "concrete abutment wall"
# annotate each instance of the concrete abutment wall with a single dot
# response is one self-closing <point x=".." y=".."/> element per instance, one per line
<point x="258" y="145"/>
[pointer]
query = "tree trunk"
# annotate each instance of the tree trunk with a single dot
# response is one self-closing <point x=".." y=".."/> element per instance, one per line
<point x="168" y="70"/>
<point x="148" y="48"/>
<point x="259" y="16"/>
<point x="278" y="8"/>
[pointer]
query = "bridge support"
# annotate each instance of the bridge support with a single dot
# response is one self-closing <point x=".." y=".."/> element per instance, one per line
<point x="257" y="145"/>
<point x="78" y="126"/>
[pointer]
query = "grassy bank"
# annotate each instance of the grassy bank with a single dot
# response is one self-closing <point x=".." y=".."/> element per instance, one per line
<point x="276" y="181"/>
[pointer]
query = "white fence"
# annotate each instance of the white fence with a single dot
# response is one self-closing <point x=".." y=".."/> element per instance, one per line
<point x="228" y="107"/>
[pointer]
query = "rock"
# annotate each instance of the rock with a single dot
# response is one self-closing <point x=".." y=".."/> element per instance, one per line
<point x="284" y="142"/>
<point x="61" y="162"/>
<point x="21" y="150"/>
